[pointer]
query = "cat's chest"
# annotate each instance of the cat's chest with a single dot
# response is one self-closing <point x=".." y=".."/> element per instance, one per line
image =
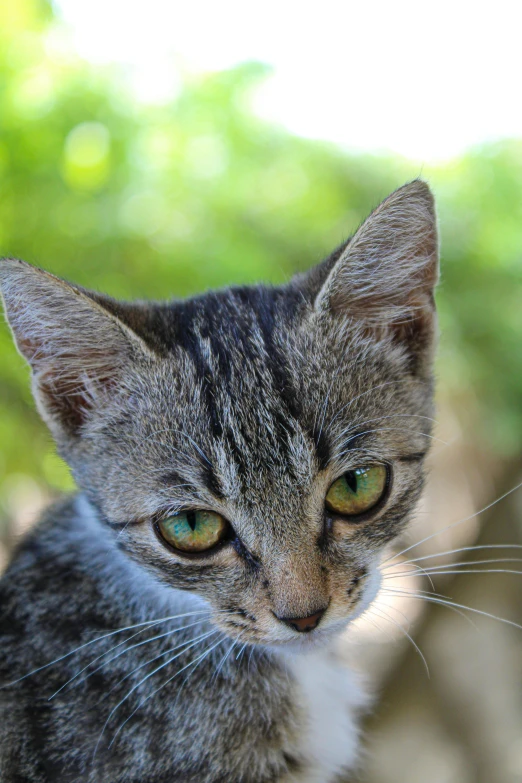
<point x="328" y="698"/>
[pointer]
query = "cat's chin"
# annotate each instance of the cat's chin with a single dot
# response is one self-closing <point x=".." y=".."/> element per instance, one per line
<point x="315" y="640"/>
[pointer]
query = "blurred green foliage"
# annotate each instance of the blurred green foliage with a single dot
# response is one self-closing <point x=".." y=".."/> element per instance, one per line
<point x="142" y="201"/>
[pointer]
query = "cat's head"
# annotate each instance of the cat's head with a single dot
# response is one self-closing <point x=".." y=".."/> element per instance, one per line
<point x="257" y="446"/>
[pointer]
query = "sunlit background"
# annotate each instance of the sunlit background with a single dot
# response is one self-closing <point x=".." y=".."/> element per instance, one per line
<point x="161" y="149"/>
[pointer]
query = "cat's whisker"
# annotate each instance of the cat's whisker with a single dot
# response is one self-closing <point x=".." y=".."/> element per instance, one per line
<point x="142" y="666"/>
<point x="225" y="658"/>
<point x="446" y="552"/>
<point x="378" y="627"/>
<point x="151" y="660"/>
<point x="187" y="646"/>
<point x="191" y="663"/>
<point x="408" y="636"/>
<point x="454" y="524"/>
<point x="122" y="652"/>
<point x="354" y="427"/>
<point x="191" y="672"/>
<point x="453" y="604"/>
<point x="414" y="570"/>
<point x="368" y="618"/>
<point x="398" y="592"/>
<point x="396" y="609"/>
<point x="462" y="565"/>
<point x="144" y="625"/>
<point x="250" y="654"/>
<point x="410" y="574"/>
<point x="404" y="591"/>
<point x="461" y="572"/>
<point x="391" y="429"/>
<point x="124" y="528"/>
<point x="340" y="370"/>
<point x="325" y="404"/>
<point x="372" y="390"/>
<point x="198" y="449"/>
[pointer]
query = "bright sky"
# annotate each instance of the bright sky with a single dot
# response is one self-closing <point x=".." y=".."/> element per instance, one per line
<point x="426" y="80"/>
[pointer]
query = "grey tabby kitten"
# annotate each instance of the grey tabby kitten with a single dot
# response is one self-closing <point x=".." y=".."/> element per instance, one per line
<point x="243" y="458"/>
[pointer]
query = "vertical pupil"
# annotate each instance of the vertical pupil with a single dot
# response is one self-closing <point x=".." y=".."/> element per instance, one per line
<point x="191" y="519"/>
<point x="351" y="480"/>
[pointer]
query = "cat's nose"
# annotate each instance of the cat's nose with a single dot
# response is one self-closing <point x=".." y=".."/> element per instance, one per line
<point x="303" y="624"/>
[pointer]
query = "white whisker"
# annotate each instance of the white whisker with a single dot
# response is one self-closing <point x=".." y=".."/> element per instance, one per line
<point x="473" y="571"/>
<point x="390" y="429"/>
<point x="399" y="593"/>
<point x="454" y="552"/>
<point x="187" y="645"/>
<point x="345" y="434"/>
<point x="363" y="394"/>
<point x="408" y="636"/>
<point x="147" y="623"/>
<point x="126" y="650"/>
<point x="224" y="659"/>
<point x="453" y="604"/>
<point x="454" y="524"/>
<point x="195" y="664"/>
<point x="419" y="571"/>
<point x="203" y="655"/>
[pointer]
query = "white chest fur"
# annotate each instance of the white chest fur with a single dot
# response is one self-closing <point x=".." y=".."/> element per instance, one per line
<point x="329" y="697"/>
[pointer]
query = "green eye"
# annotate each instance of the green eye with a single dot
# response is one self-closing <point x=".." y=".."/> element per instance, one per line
<point x="357" y="491"/>
<point x="193" y="531"/>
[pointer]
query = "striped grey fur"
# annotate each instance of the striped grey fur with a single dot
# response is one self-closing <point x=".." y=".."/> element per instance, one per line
<point x="249" y="402"/>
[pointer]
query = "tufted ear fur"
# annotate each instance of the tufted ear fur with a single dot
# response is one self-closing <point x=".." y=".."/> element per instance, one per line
<point x="385" y="274"/>
<point x="76" y="349"/>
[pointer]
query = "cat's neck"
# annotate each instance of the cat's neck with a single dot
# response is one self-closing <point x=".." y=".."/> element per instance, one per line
<point x="119" y="574"/>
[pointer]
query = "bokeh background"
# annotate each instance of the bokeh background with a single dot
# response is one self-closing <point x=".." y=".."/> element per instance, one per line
<point x="197" y="174"/>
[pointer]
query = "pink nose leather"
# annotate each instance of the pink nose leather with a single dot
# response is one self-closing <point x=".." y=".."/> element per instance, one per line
<point x="304" y="624"/>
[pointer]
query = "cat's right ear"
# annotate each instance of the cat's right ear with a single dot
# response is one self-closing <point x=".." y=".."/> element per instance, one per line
<point x="383" y="278"/>
<point x="77" y="350"/>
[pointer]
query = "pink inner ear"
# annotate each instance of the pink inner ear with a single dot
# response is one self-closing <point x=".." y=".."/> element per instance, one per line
<point x="70" y="396"/>
<point x="76" y="347"/>
<point x="72" y="381"/>
<point x="30" y="349"/>
<point x="62" y="402"/>
<point x="69" y="382"/>
<point x="388" y="270"/>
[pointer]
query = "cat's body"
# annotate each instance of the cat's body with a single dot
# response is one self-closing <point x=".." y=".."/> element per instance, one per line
<point x="261" y="699"/>
<point x="241" y="409"/>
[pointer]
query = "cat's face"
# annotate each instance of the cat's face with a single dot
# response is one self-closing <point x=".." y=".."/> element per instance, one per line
<point x="258" y="447"/>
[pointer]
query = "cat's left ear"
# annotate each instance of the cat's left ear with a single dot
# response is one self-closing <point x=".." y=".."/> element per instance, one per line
<point x="384" y="277"/>
<point x="78" y="350"/>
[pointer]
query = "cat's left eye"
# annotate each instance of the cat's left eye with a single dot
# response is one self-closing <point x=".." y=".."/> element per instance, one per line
<point x="193" y="531"/>
<point x="357" y="491"/>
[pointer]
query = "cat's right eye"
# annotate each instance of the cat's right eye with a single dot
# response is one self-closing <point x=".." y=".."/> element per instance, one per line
<point x="357" y="491"/>
<point x="193" y="531"/>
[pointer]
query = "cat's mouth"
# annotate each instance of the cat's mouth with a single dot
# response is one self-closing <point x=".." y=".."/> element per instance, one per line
<point x="319" y="638"/>
<point x="267" y="628"/>
<point x="363" y="589"/>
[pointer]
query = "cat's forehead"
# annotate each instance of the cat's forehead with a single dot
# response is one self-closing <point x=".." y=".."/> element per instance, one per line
<point x="239" y="351"/>
<point x="263" y="391"/>
<point x="234" y="323"/>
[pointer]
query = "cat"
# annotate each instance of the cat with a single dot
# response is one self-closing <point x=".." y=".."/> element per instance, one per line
<point x="242" y="458"/>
